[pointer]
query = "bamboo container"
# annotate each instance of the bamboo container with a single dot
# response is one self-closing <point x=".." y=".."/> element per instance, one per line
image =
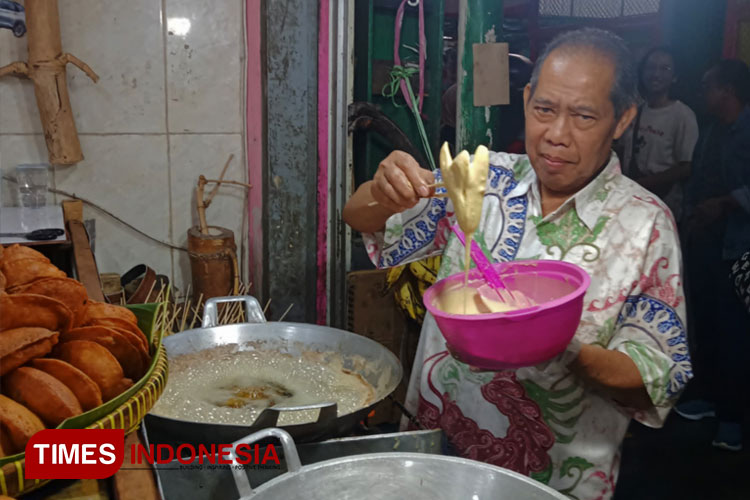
<point x="213" y="262"/>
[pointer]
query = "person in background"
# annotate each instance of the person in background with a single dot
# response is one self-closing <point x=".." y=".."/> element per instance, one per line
<point x="718" y="233"/>
<point x="561" y="422"/>
<point x="658" y="148"/>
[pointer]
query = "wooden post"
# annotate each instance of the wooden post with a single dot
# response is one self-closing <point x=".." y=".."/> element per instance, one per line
<point x="479" y="21"/>
<point x="46" y="69"/>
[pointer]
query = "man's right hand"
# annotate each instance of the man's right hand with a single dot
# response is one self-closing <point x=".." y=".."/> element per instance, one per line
<point x="398" y="185"/>
<point x="400" y="182"/>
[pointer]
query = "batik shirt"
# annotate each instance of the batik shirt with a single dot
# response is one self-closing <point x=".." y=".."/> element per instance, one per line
<point x="542" y="421"/>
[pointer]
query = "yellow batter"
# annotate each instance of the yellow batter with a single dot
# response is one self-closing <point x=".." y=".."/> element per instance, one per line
<point x="465" y="182"/>
<point x="460" y="299"/>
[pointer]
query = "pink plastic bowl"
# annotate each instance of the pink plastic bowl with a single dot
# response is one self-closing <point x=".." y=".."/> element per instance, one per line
<point x="523" y="337"/>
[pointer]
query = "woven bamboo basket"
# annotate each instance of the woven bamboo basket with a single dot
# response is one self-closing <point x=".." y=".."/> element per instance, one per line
<point x="127" y="416"/>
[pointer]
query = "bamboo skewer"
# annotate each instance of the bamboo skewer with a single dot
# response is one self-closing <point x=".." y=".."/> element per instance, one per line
<point x="153" y="284"/>
<point x="218" y="184"/>
<point x="286" y="312"/>
<point x="196" y="311"/>
<point x="236" y="183"/>
<point x="434" y="185"/>
<point x="187" y="315"/>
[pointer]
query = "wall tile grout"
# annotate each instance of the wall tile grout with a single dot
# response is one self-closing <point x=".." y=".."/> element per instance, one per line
<point x="166" y="127"/>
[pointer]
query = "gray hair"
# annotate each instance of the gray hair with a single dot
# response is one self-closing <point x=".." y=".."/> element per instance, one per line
<point x="624" y="93"/>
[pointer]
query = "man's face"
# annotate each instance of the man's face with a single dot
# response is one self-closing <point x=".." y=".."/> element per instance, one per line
<point x="712" y="93"/>
<point x="658" y="73"/>
<point x="570" y="119"/>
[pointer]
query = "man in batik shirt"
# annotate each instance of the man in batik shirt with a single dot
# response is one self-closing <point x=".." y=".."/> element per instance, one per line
<point x="561" y="422"/>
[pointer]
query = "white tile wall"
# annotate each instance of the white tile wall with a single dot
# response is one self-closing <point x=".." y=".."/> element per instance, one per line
<point x="126" y="175"/>
<point x="160" y="115"/>
<point x="203" y="60"/>
<point x="123" y="43"/>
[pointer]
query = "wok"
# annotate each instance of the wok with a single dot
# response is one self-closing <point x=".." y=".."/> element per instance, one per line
<point x="363" y="356"/>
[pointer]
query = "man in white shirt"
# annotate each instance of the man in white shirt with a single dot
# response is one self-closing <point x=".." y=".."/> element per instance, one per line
<point x="659" y="160"/>
<point x="562" y="422"/>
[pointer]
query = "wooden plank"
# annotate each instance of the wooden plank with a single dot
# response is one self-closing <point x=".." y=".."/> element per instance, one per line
<point x="134" y="484"/>
<point x="85" y="265"/>
<point x="83" y="257"/>
<point x="72" y="210"/>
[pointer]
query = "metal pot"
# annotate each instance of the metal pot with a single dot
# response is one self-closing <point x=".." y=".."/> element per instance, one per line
<point x="415" y="476"/>
<point x="372" y="361"/>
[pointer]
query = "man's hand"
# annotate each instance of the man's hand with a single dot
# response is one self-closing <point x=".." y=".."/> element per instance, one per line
<point x="398" y="185"/>
<point x="400" y="182"/>
<point x="565" y="358"/>
<point x="613" y="373"/>
<point x="457" y="357"/>
<point x="610" y="371"/>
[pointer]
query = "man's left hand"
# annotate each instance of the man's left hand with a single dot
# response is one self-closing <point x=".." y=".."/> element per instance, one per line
<point x="565" y="358"/>
<point x="455" y="356"/>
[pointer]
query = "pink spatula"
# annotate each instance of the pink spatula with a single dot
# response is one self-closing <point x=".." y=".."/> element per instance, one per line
<point x="490" y="275"/>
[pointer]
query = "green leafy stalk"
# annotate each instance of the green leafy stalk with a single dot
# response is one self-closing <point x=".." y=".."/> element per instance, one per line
<point x="391" y="90"/>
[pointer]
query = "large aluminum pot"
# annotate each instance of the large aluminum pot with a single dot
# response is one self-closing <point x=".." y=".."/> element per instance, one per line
<point x="415" y="476"/>
<point x="372" y="361"/>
